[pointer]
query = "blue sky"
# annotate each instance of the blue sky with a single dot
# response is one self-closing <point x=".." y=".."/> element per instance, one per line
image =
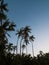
<point x="34" y="13"/>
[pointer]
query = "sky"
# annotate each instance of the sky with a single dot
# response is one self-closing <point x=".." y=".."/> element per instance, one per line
<point x="34" y="13"/>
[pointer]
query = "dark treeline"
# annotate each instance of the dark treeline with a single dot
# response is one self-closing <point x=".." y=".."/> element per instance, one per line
<point x="8" y="52"/>
<point x="12" y="59"/>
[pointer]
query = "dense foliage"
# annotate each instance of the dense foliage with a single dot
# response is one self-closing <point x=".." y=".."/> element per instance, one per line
<point x="12" y="59"/>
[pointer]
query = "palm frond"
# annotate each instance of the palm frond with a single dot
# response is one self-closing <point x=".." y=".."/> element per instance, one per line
<point x="10" y="27"/>
<point x="4" y="7"/>
<point x="2" y="1"/>
<point x="32" y="38"/>
<point x="2" y="16"/>
<point x="8" y="34"/>
<point x="6" y="23"/>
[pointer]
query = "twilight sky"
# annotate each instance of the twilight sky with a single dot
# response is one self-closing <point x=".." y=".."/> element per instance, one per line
<point x="34" y="13"/>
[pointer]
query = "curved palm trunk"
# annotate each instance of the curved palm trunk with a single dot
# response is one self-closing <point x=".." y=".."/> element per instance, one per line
<point x="22" y="50"/>
<point x="17" y="46"/>
<point x="32" y="50"/>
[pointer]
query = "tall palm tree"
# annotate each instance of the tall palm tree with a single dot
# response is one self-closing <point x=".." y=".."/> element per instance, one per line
<point x="19" y="34"/>
<point x="31" y="38"/>
<point x="26" y="32"/>
<point x="5" y="25"/>
<point x="4" y="29"/>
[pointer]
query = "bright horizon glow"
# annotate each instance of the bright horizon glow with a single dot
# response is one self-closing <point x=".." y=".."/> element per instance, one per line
<point x="34" y="13"/>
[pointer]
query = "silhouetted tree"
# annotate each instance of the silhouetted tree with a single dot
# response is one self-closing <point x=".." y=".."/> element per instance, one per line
<point x="20" y="36"/>
<point x="26" y="32"/>
<point x="3" y="8"/>
<point x="5" y="27"/>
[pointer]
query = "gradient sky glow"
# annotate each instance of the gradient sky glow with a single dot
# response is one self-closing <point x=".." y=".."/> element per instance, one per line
<point x="34" y="13"/>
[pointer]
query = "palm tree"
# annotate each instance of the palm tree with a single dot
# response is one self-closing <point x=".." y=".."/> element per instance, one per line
<point x="3" y="8"/>
<point x="26" y="32"/>
<point x="5" y="25"/>
<point x="4" y="29"/>
<point x="31" y="38"/>
<point x="23" y="46"/>
<point x="19" y="34"/>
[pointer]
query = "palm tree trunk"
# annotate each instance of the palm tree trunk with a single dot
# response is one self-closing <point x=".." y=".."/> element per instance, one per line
<point x="22" y="50"/>
<point x="32" y="50"/>
<point x="17" y="46"/>
<point x="20" y="46"/>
